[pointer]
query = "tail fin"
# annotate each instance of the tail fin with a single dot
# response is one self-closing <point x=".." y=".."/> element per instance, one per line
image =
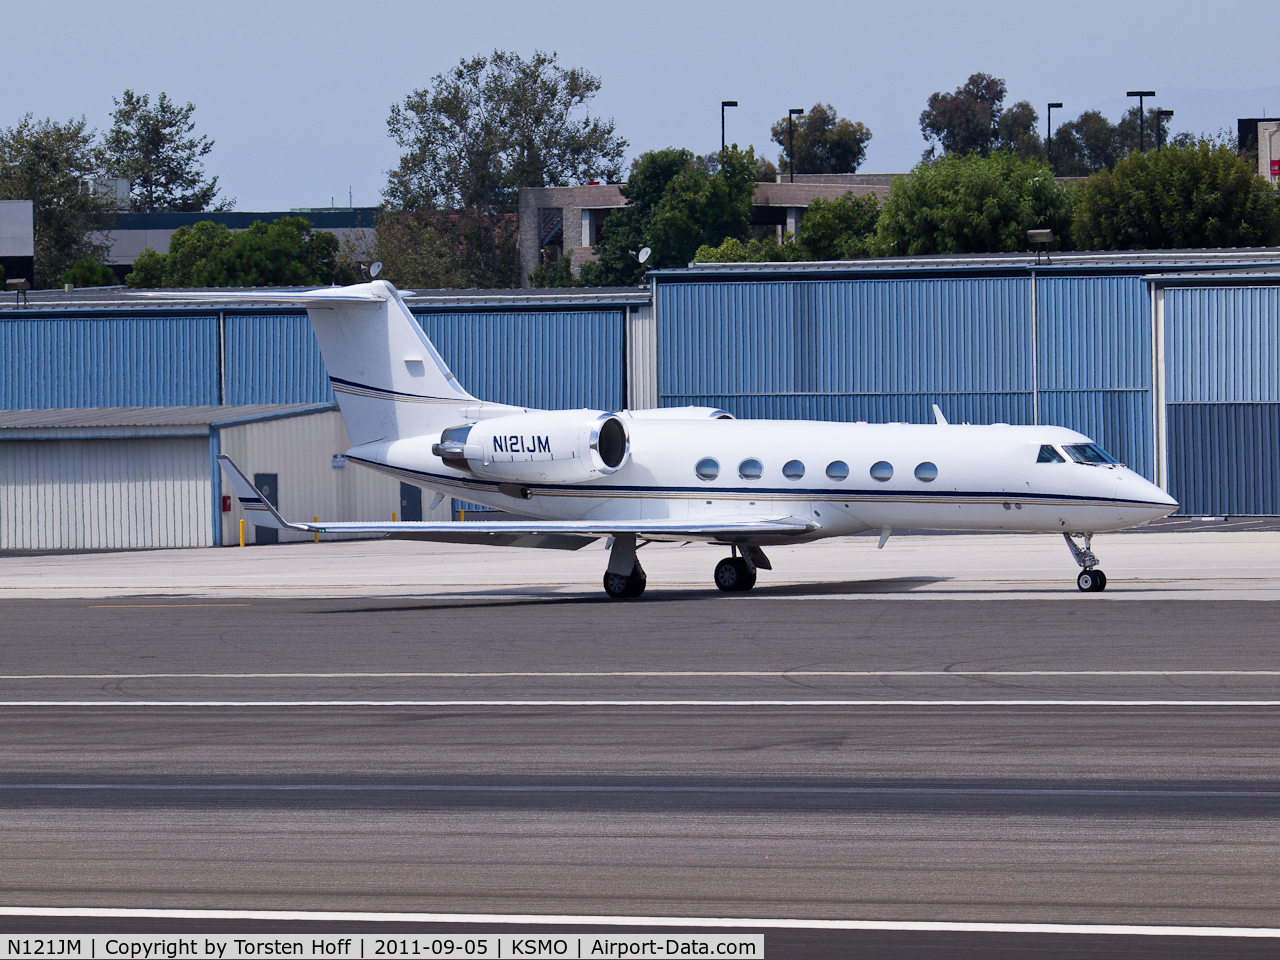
<point x="389" y="379"/>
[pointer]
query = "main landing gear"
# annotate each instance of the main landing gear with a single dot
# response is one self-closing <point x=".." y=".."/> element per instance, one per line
<point x="624" y="579"/>
<point x="1091" y="579"/>
<point x="737" y="574"/>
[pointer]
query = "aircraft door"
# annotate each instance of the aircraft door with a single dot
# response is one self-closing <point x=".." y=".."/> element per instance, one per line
<point x="410" y="503"/>
<point x="268" y="486"/>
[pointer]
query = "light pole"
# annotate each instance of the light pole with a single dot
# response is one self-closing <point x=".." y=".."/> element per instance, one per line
<point x="1048" y="133"/>
<point x="791" y="139"/>
<point x="723" y="104"/>
<point x="1161" y="117"/>
<point x="1142" y="132"/>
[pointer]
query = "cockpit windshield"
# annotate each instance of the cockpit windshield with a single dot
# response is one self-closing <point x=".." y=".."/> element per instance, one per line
<point x="1088" y="453"/>
<point x="1049" y="454"/>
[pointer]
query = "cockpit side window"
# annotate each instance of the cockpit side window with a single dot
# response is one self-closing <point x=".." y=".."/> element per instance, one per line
<point x="1049" y="454"/>
<point x="1088" y="453"/>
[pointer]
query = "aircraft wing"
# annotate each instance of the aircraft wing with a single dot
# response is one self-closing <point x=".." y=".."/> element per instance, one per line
<point x="516" y="532"/>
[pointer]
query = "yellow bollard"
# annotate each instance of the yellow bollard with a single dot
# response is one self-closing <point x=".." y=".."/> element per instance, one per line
<point x="317" y="519"/>
<point x="462" y="515"/>
<point x="393" y="516"/>
<point x="242" y="531"/>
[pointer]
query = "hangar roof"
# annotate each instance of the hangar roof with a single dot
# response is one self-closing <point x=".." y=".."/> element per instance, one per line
<point x="1118" y="261"/>
<point x="123" y="298"/>
<point x="106" y="422"/>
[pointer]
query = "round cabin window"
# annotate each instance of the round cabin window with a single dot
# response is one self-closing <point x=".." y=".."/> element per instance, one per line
<point x="837" y="470"/>
<point x="927" y="472"/>
<point x="708" y="468"/>
<point x="751" y="469"/>
<point x="793" y="469"/>
<point x="882" y="471"/>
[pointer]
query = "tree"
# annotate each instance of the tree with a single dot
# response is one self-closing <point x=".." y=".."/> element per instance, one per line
<point x="439" y="249"/>
<point x="286" y="252"/>
<point x="1179" y="197"/>
<point x="48" y="163"/>
<point x="88" y="272"/>
<point x="1091" y="142"/>
<point x="674" y="206"/>
<point x="1016" y="131"/>
<point x="627" y="230"/>
<point x="824" y="142"/>
<point x="967" y="120"/>
<point x="768" y="250"/>
<point x="840" y="229"/>
<point x="1085" y="145"/>
<point x="490" y="126"/>
<point x="155" y="149"/>
<point x="972" y="204"/>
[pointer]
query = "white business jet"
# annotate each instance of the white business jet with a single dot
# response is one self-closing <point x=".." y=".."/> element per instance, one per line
<point x="686" y="473"/>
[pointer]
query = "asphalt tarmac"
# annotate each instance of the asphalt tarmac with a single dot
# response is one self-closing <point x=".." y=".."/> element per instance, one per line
<point x="991" y="762"/>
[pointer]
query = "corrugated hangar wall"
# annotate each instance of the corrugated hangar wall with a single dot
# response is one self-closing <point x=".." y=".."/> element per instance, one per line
<point x="886" y="350"/>
<point x="1222" y="376"/>
<point x="105" y="494"/>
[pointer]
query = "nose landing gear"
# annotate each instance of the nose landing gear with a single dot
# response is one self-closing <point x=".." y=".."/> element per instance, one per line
<point x="1091" y="579"/>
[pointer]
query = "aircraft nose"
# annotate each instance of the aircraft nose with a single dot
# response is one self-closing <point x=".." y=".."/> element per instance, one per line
<point x="1142" y="491"/>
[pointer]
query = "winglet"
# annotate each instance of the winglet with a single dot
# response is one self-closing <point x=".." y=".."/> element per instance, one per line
<point x="938" y="417"/>
<point x="254" y="503"/>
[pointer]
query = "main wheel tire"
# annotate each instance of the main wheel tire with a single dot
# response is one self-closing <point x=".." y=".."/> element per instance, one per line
<point x="1091" y="581"/>
<point x="734" y="576"/>
<point x="637" y="585"/>
<point x="616" y="585"/>
<point x="727" y="575"/>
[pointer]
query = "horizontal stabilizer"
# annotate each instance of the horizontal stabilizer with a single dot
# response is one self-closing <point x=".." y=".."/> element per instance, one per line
<point x="325" y="296"/>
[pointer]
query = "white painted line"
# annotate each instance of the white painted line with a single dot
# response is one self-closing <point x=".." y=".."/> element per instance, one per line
<point x="641" y="788"/>
<point x="640" y="703"/>
<point x="592" y="674"/>
<point x="744" y="923"/>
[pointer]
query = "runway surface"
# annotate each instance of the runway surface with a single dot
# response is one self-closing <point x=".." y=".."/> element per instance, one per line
<point x="1005" y="761"/>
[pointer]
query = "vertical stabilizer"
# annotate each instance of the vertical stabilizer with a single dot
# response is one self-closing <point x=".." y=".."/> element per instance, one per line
<point x="388" y="377"/>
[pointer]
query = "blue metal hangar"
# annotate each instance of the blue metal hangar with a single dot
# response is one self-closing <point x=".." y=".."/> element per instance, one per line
<point x="111" y="410"/>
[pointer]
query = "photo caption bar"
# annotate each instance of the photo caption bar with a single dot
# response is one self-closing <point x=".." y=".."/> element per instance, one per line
<point x="491" y="946"/>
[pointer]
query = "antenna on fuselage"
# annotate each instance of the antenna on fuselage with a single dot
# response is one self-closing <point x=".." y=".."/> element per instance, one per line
<point x="937" y="416"/>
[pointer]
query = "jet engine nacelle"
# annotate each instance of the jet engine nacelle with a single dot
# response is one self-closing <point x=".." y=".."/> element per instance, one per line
<point x="554" y="446"/>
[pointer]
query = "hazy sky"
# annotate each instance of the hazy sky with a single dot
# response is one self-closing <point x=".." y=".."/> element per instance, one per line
<point x="296" y="94"/>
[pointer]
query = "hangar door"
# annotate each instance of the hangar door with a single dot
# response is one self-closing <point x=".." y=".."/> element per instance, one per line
<point x="1222" y="363"/>
<point x="105" y="494"/>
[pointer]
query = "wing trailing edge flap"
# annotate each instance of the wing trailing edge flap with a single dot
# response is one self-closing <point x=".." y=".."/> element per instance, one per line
<point x="490" y="531"/>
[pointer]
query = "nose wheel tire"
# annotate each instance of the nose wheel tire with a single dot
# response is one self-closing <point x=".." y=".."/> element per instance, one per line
<point x="1091" y="581"/>
<point x="734" y="576"/>
<point x="625" y="588"/>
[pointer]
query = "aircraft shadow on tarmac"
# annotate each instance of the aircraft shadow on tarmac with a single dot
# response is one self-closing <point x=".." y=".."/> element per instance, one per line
<point x="826" y="588"/>
<point x="657" y="794"/>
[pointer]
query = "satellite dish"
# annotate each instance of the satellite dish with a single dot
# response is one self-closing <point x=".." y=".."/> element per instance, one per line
<point x="644" y="254"/>
<point x="375" y="268"/>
